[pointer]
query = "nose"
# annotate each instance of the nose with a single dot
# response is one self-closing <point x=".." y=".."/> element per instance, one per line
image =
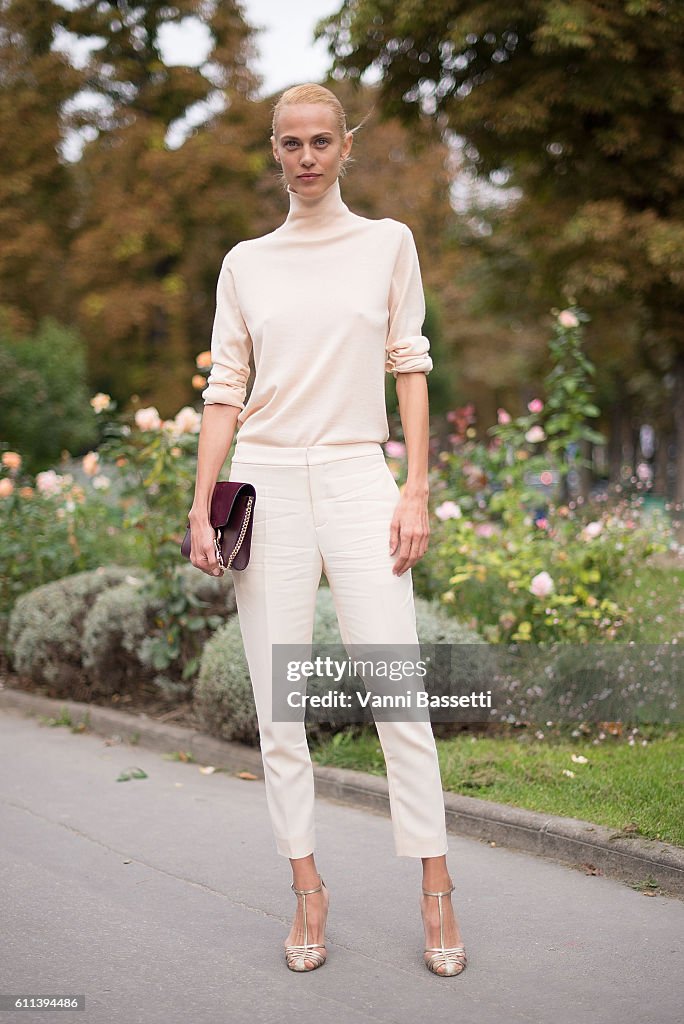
<point x="307" y="160"/>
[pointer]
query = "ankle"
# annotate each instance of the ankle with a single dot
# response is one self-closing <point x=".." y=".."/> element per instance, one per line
<point x="308" y="882"/>
<point x="440" y="884"/>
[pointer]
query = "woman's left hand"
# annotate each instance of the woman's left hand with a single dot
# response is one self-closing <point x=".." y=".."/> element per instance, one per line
<point x="409" y="531"/>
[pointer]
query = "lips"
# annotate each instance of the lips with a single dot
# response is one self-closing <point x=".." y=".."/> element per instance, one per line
<point x="308" y="175"/>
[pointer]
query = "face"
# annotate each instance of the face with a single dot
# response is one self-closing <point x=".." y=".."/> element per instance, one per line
<point x="308" y="147"/>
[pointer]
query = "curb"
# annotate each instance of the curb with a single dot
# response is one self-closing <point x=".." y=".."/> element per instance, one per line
<point x="579" y="844"/>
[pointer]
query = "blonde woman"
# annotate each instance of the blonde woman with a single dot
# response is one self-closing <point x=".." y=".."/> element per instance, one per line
<point x="327" y="303"/>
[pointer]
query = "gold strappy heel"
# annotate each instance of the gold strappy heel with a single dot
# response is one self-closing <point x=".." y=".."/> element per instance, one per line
<point x="297" y="955"/>
<point x="452" y="959"/>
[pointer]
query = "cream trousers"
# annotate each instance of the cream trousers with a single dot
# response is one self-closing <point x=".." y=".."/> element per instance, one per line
<point x="328" y="509"/>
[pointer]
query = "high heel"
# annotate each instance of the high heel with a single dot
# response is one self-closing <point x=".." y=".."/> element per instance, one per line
<point x="298" y="954"/>
<point x="452" y="959"/>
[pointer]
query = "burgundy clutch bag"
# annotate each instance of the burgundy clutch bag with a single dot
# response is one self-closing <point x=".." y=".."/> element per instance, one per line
<point x="231" y="515"/>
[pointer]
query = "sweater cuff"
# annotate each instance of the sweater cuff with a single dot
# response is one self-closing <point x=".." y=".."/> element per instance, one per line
<point x="410" y="355"/>
<point x="224" y="394"/>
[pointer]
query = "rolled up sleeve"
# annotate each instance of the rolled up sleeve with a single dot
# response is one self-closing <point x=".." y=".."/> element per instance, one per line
<point x="407" y="347"/>
<point x="231" y="345"/>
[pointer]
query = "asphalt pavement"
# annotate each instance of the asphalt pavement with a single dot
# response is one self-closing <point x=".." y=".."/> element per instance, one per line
<point x="162" y="899"/>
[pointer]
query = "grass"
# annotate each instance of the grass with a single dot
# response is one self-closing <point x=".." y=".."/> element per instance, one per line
<point x="635" y="788"/>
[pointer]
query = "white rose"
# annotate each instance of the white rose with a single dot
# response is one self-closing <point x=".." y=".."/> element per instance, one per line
<point x="147" y="419"/>
<point x="542" y="585"/>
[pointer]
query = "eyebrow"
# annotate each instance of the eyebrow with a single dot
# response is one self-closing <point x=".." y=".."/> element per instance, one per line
<point x="314" y="136"/>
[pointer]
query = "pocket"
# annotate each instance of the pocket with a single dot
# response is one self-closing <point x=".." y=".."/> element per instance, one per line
<point x="366" y="483"/>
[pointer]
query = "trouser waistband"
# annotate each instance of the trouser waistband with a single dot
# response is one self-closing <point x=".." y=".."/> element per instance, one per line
<point x="272" y="455"/>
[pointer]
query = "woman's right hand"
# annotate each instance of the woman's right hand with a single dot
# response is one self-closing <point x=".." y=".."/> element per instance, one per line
<point x="203" y="547"/>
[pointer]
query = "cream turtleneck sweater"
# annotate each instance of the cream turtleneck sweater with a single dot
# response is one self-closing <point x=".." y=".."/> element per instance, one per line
<point x="328" y="302"/>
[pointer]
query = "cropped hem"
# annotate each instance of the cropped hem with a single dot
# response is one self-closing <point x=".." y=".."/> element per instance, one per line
<point x="301" y="846"/>
<point x="417" y="846"/>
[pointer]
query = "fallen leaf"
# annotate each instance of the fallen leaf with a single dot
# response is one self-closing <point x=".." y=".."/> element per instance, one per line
<point x="590" y="869"/>
<point x="630" y="828"/>
<point x="246" y="775"/>
<point x="207" y="769"/>
<point x="132" y="773"/>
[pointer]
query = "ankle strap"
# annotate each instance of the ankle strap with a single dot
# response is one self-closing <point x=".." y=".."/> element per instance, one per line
<point x="305" y="892"/>
<point x="445" y="893"/>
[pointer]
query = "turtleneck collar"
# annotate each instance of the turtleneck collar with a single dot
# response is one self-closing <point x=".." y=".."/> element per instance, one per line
<point x="316" y="211"/>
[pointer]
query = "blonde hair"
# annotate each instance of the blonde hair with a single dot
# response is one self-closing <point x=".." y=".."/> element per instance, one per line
<point x="311" y="92"/>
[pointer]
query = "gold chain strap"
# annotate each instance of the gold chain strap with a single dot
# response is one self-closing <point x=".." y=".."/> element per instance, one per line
<point x="243" y="531"/>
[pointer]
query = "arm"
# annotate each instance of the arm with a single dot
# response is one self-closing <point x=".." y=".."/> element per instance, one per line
<point x="410" y="527"/>
<point x="409" y="362"/>
<point x="215" y="438"/>
<point x="223" y="399"/>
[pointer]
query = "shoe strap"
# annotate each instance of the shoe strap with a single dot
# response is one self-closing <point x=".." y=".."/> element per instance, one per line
<point x="305" y="892"/>
<point x="445" y="893"/>
<point x="447" y="949"/>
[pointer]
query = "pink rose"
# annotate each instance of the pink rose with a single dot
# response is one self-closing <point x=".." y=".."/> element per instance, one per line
<point x="187" y="421"/>
<point x="395" y="449"/>
<point x="448" y="510"/>
<point x="541" y="585"/>
<point x="535" y="434"/>
<point x="536" y="405"/>
<point x="502" y="416"/>
<point x="148" y="419"/>
<point x="49" y="482"/>
<point x="566" y="318"/>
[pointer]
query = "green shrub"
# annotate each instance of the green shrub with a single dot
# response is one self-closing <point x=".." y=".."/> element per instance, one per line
<point x="53" y="530"/>
<point x="46" y="625"/>
<point x="88" y="636"/>
<point x="114" y="631"/>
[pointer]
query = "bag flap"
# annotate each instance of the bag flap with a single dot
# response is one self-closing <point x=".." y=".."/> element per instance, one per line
<point x="227" y="498"/>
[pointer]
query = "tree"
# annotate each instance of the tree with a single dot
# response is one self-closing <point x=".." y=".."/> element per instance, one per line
<point x="35" y="193"/>
<point x="144" y="206"/>
<point x="580" y="105"/>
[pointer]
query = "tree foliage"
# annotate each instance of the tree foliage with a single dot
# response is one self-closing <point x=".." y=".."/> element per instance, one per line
<point x="578" y="104"/>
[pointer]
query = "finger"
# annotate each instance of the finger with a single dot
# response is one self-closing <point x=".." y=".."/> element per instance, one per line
<point x="212" y="566"/>
<point x="402" y="563"/>
<point x="394" y="536"/>
<point x="404" y="548"/>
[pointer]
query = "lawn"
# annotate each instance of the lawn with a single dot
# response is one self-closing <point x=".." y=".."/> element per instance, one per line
<point x="632" y="782"/>
<point x="632" y="787"/>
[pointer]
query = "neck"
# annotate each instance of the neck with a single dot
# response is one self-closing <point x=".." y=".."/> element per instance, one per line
<point x="307" y="211"/>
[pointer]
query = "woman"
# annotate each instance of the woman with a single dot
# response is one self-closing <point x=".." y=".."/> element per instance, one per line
<point x="327" y="302"/>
